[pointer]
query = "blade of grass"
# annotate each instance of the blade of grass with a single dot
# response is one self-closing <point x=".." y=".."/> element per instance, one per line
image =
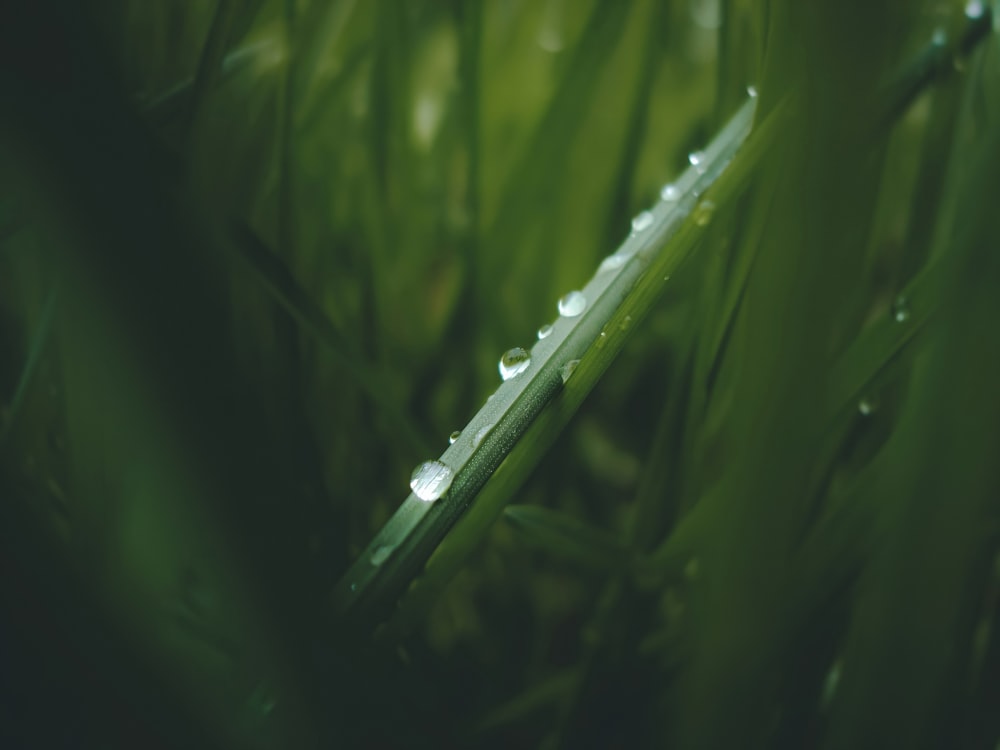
<point x="567" y="538"/>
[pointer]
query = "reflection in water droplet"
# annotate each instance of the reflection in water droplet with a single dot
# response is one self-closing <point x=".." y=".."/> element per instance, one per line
<point x="670" y="192"/>
<point x="480" y="434"/>
<point x="572" y="304"/>
<point x="866" y="407"/>
<point x="613" y="261"/>
<point x="697" y="159"/>
<point x="431" y="480"/>
<point x="626" y="323"/>
<point x="381" y="554"/>
<point x="513" y="362"/>
<point x="752" y="91"/>
<point x="544" y="331"/>
<point x="454" y="436"/>
<point x="642" y="221"/>
<point x="901" y="309"/>
<point x="974" y="10"/>
<point x="703" y="213"/>
<point x="567" y="369"/>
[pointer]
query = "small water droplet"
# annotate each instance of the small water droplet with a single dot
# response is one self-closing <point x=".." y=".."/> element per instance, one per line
<point x="544" y="331"/>
<point x="602" y="340"/>
<point x="572" y="304"/>
<point x="480" y="434"/>
<point x="642" y="221"/>
<point x="670" y="192"/>
<point x="752" y="91"/>
<point x="513" y="362"/>
<point x="698" y="160"/>
<point x="431" y="480"/>
<point x="703" y="213"/>
<point x="454" y="436"/>
<point x="974" y="10"/>
<point x="612" y="262"/>
<point x="939" y="38"/>
<point x="901" y="309"/>
<point x="865" y="407"/>
<point x="567" y="369"/>
<point x="381" y="554"/>
<point x="626" y="323"/>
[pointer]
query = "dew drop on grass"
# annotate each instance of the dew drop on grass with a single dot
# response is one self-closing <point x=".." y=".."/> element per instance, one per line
<point x="431" y="480"/>
<point x="670" y="192"/>
<point x="567" y="369"/>
<point x="513" y="362"/>
<point x="865" y="407"/>
<point x="480" y="434"/>
<point x="544" y="331"/>
<point x="612" y="262"/>
<point x="901" y="309"/>
<point x="602" y="340"/>
<point x="381" y="554"/>
<point x="572" y="304"/>
<point x="703" y="213"/>
<point x="626" y="323"/>
<point x="974" y="10"/>
<point x="939" y="38"/>
<point x="454" y="436"/>
<point x="642" y="221"/>
<point x="752" y="91"/>
<point x="698" y="160"/>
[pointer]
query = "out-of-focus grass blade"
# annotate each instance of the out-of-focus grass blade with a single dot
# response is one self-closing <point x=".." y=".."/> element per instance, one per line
<point x="535" y="698"/>
<point x="210" y="62"/>
<point x="39" y="340"/>
<point x="567" y="538"/>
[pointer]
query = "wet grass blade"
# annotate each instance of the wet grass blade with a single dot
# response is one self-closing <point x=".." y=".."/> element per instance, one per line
<point x="567" y="538"/>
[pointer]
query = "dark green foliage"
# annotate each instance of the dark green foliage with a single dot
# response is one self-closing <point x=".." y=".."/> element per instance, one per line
<point x="258" y="258"/>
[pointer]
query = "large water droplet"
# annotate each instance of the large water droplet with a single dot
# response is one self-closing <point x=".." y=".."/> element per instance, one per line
<point x="670" y="192"/>
<point x="431" y="480"/>
<point x="703" y="213"/>
<point x="381" y="554"/>
<point x="698" y="160"/>
<point x="901" y="309"/>
<point x="642" y="221"/>
<point x="480" y="434"/>
<point x="612" y="262"/>
<point x="974" y="10"/>
<point x="454" y="436"/>
<point x="513" y="362"/>
<point x="567" y="369"/>
<point x="544" y="331"/>
<point x="572" y="304"/>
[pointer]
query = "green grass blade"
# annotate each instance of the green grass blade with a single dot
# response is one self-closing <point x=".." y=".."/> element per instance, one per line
<point x="567" y="538"/>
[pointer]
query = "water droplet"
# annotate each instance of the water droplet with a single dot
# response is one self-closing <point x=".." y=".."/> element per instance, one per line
<point x="354" y="587"/>
<point x="572" y="304"/>
<point x="567" y="369"/>
<point x="613" y="261"/>
<point x="974" y="10"/>
<point x="480" y="434"/>
<point x="698" y="160"/>
<point x="381" y="554"/>
<point x="703" y="213"/>
<point x="901" y="309"/>
<point x="752" y="91"/>
<point x="544" y="331"/>
<point x="513" y="362"/>
<point x="939" y="38"/>
<point x="454" y="436"/>
<point x="602" y="340"/>
<point x="670" y="192"/>
<point x="431" y="480"/>
<point x="865" y="407"/>
<point x="642" y="221"/>
<point x="626" y="323"/>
